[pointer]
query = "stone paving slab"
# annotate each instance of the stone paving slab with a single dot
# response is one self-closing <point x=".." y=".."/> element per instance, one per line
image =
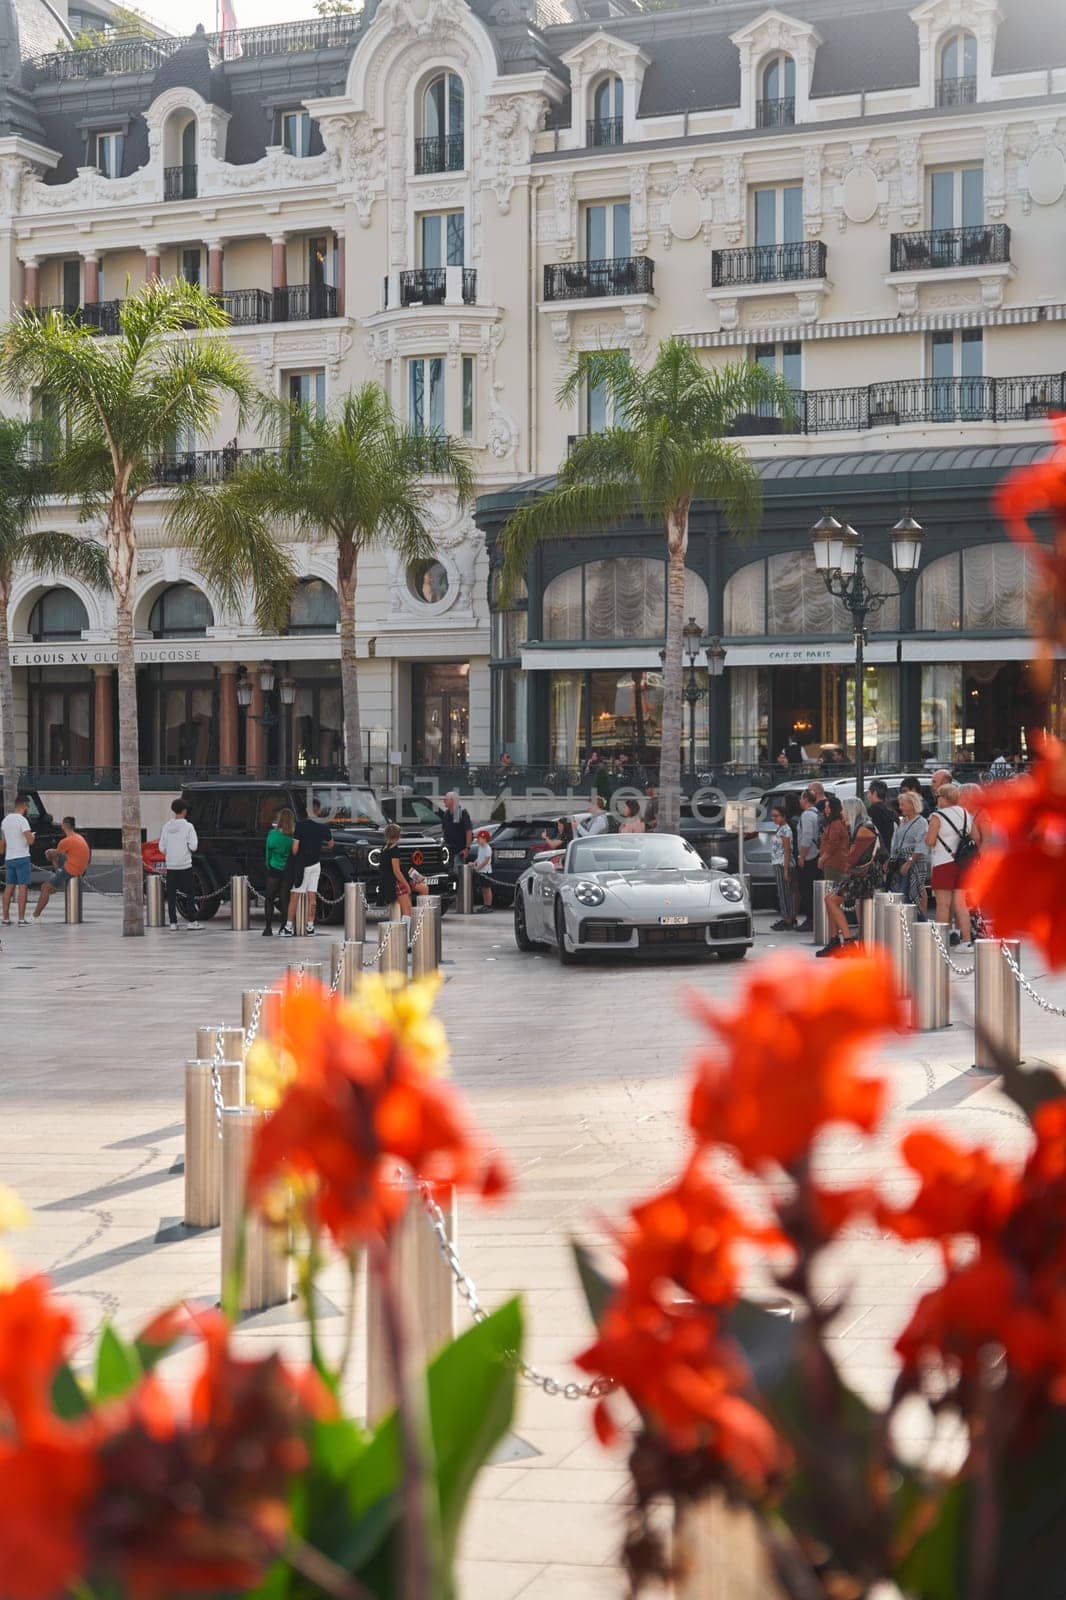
<point x="580" y="1075"/>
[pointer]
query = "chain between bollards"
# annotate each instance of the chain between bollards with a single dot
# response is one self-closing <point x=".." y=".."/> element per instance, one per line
<point x="960" y="972"/>
<point x="1023" y="982"/>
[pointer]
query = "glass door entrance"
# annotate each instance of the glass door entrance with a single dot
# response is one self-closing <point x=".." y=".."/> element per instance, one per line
<point x="440" y="713"/>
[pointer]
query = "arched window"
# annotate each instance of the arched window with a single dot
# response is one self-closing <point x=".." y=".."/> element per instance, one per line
<point x="180" y="612"/>
<point x="622" y="597"/>
<point x="785" y="595"/>
<point x="313" y="608"/>
<point x="938" y="598"/>
<point x="608" y="106"/>
<point x="957" y="79"/>
<point x="510" y="623"/>
<point x="58" y="614"/>
<point x="999" y="582"/>
<point x="440" y="147"/>
<point x="180" y="156"/>
<point x="776" y="106"/>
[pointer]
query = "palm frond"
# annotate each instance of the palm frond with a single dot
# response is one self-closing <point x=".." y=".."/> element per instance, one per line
<point x="65" y="554"/>
<point x="237" y="551"/>
<point x="557" y="514"/>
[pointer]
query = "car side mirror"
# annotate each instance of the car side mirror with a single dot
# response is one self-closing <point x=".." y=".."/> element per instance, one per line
<point x="719" y="863"/>
<point x="546" y="864"/>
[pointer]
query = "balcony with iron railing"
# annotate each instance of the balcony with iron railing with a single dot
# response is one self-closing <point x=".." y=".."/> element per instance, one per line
<point x="146" y="55"/>
<point x="940" y="248"/>
<point x="300" y="302"/>
<point x="801" y="262"/>
<point x="594" y="280"/>
<point x="179" y="183"/>
<point x="203" y="466"/>
<point x="900" y="402"/>
<point x="439" y="153"/>
<point x="428" y="286"/>
<point x="956" y="91"/>
<point x="779" y="113"/>
<point x="304" y="302"/>
<point x="604" y="131"/>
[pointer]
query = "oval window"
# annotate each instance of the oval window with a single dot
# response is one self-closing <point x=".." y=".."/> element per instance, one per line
<point x="427" y="581"/>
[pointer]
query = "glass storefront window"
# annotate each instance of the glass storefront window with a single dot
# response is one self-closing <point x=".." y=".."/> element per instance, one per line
<point x="941" y="711"/>
<point x="749" y="713"/>
<point x="880" y="713"/>
<point x="440" y="713"/>
<point x="60" y="719"/>
<point x="621" y="597"/>
<point x="613" y="710"/>
<point x="511" y="731"/>
<point x="317" y="727"/>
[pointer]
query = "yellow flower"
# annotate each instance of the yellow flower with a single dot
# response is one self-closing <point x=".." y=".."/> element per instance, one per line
<point x="406" y="1011"/>
<point x="268" y="1070"/>
<point x="13" y="1214"/>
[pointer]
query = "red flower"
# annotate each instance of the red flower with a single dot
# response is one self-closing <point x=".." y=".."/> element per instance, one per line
<point x="686" y="1379"/>
<point x="971" y="1310"/>
<point x="35" y="1335"/>
<point x="46" y="1485"/>
<point x="362" y="1101"/>
<point x="963" y="1192"/>
<point x="787" y="1064"/>
<point x="1019" y="880"/>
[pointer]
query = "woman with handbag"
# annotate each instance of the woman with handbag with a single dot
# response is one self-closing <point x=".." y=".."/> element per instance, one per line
<point x="907" y="866"/>
<point x="862" y="875"/>
<point x="952" y="849"/>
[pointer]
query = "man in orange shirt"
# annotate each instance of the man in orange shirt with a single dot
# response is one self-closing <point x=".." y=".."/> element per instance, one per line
<point x="69" y="858"/>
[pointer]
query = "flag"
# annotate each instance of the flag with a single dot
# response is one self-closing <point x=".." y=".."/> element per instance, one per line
<point x="229" y="39"/>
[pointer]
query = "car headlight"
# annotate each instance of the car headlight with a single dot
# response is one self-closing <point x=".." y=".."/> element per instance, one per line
<point x="445" y="855"/>
<point x="732" y="889"/>
<point x="373" y="857"/>
<point x="589" y="894"/>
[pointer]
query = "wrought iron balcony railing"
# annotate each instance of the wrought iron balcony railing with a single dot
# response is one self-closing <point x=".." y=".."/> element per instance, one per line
<point x="179" y="183"/>
<point x="604" y="130"/>
<point x="593" y="280"/>
<point x="428" y="286"/>
<point x="779" y="113"/>
<point x="202" y="466"/>
<point x="146" y="55"/>
<point x="304" y="302"/>
<point x="956" y="91"/>
<point x="104" y="61"/>
<point x="768" y="263"/>
<point x="246" y="307"/>
<point x="913" y="400"/>
<point x="987" y="245"/>
<point x="439" y="153"/>
<point x="288" y="38"/>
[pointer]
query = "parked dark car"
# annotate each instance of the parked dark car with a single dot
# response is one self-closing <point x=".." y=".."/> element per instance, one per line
<point x="414" y="812"/>
<point x="46" y="832"/>
<point x="233" y="816"/>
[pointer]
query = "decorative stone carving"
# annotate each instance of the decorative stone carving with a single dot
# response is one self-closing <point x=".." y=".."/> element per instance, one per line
<point x="807" y="304"/>
<point x="1044" y="175"/>
<point x="559" y="323"/>
<point x="501" y="436"/>
<point x="860" y="193"/>
<point x="635" y="328"/>
<point x="600" y="53"/>
<point x="638" y="209"/>
<point x="357" y="150"/>
<point x="564" y="199"/>
<point x="909" y="155"/>
<point x="907" y="299"/>
<point x="766" y="34"/>
<point x="992" y="290"/>
<point x="505" y="137"/>
<point x="733" y="198"/>
<point x="812" y="189"/>
<point x="995" y="184"/>
<point x="728" y="313"/>
<point x="685" y="211"/>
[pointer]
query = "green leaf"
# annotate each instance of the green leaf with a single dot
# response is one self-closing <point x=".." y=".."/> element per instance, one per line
<point x="934" y="1568"/>
<point x="118" y="1366"/>
<point x="598" y="1288"/>
<point x="69" y="1400"/>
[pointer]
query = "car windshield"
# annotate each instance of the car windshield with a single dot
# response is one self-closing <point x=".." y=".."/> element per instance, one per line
<point x="630" y="852"/>
<point x="348" y="807"/>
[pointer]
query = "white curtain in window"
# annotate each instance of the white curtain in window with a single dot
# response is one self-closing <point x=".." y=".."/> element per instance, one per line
<point x="744" y="601"/>
<point x="937" y="602"/>
<point x="882" y="713"/>
<point x="625" y="598"/>
<point x="747" y="713"/>
<point x="562" y="606"/>
<point x="996" y="582"/>
<point x="941" y="711"/>
<point x="798" y="602"/>
<point x="696" y="603"/>
<point x="565" y="709"/>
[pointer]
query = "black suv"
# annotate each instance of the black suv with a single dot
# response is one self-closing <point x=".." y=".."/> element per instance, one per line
<point x="47" y="833"/>
<point x="233" y="816"/>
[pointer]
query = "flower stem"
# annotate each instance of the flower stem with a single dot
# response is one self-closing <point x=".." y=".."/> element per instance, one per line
<point x="326" y="1575"/>
<point x="416" y="1577"/>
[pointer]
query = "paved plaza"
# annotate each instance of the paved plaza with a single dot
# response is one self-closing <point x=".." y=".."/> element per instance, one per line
<point x="578" y="1074"/>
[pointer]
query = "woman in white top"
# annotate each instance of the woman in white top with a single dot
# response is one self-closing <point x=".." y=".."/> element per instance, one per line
<point x="948" y="826"/>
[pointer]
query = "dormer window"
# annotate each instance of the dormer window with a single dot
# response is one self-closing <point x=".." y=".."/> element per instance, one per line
<point x="605" y="126"/>
<point x="296" y="133"/>
<point x="776" y="105"/>
<point x="109" y="149"/>
<point x="441" y="145"/>
<point x="956" y="83"/>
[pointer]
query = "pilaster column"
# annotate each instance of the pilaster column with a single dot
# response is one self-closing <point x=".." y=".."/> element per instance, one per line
<point x="254" y="732"/>
<point x="90" y="279"/>
<point x="227" y="717"/>
<point x="278" y="266"/>
<point x="341" y="274"/>
<point x="103" y="719"/>
<point x="152" y="264"/>
<point x="214" y="266"/>
<point x="29" y="282"/>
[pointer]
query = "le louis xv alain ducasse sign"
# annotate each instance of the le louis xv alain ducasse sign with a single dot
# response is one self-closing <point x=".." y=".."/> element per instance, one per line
<point x="102" y="655"/>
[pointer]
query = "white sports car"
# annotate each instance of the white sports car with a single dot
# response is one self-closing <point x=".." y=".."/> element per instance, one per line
<point x="646" y="892"/>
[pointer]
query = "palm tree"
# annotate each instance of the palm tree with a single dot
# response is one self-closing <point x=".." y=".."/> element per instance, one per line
<point x="355" y="476"/>
<point x="25" y="480"/>
<point x="123" y="401"/>
<point x="668" y="446"/>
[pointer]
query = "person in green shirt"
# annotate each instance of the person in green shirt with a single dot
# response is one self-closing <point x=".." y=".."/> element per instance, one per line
<point x="281" y="847"/>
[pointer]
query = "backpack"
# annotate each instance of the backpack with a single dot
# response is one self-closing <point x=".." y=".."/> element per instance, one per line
<point x="966" y="851"/>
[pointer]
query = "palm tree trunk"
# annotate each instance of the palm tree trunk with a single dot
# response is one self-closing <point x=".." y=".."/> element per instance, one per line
<point x="123" y="552"/>
<point x="670" y="758"/>
<point x="8" y="754"/>
<point x="353" y="729"/>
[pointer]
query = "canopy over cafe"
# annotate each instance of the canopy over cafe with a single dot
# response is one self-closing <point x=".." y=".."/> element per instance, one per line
<point x="948" y="662"/>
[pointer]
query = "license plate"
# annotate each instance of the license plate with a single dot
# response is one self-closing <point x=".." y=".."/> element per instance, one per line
<point x="671" y="922"/>
<point x="510" y="855"/>
<point x="443" y="878"/>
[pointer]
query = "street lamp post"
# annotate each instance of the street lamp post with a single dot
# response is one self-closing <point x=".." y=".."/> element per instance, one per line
<point x="268" y="718"/>
<point x="691" y="634"/>
<point x="838" y="556"/>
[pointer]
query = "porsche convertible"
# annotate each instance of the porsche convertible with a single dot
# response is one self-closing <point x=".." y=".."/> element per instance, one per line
<point x="643" y="892"/>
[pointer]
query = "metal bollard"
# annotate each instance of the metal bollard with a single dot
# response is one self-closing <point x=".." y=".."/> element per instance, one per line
<point x="299" y="917"/>
<point x="239" y="903"/>
<point x="232" y="1043"/>
<point x="436" y="904"/>
<point x="153" y="891"/>
<point x="822" y="887"/>
<point x="997" y="1023"/>
<point x="392" y="947"/>
<point x="931" y="992"/>
<point x="899" y="930"/>
<point x="866" y="924"/>
<point x="302" y="971"/>
<point x="882" y="900"/>
<point x="464" y="903"/>
<point x="203" y="1143"/>
<point x="265" y="1276"/>
<point x="72" y="901"/>
<point x="424" y="1279"/>
<point x="248" y="1000"/>
<point x="349" y="967"/>
<point x="354" y="913"/>
<point x="423" y="943"/>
